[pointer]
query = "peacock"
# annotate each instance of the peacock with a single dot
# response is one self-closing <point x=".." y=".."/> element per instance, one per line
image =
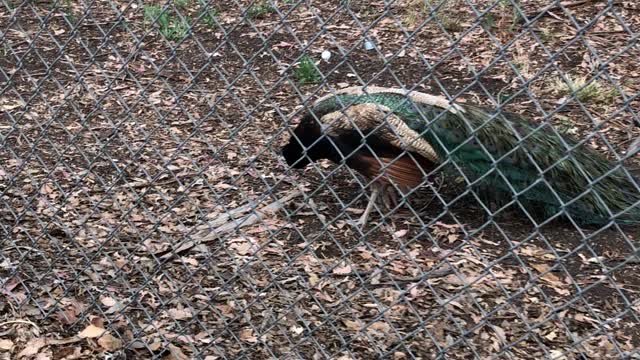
<point x="396" y="139"/>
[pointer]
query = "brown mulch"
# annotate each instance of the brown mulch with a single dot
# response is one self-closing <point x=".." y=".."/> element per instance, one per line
<point x="141" y="186"/>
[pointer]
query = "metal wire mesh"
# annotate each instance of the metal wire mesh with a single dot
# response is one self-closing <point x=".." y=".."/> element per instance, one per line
<point x="146" y="210"/>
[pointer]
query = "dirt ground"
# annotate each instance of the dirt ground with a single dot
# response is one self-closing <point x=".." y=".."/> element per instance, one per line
<point x="126" y="156"/>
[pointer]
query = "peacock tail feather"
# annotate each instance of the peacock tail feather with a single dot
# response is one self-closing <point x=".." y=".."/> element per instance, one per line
<point x="501" y="155"/>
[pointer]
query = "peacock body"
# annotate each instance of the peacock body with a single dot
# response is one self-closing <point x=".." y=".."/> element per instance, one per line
<point x="502" y="156"/>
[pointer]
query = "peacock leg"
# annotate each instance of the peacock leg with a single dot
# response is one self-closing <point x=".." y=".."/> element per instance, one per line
<point x="372" y="200"/>
<point x="492" y="214"/>
<point x="389" y="196"/>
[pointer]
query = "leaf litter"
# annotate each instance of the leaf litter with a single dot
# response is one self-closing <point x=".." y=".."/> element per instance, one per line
<point x="156" y="225"/>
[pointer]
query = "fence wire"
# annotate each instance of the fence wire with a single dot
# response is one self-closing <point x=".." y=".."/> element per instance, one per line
<point x="147" y="212"/>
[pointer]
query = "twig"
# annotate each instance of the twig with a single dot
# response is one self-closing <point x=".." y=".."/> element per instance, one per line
<point x="70" y="340"/>
<point x="27" y="322"/>
<point x="17" y="247"/>
<point x="285" y="21"/>
<point x="143" y="184"/>
<point x="545" y="11"/>
<point x="402" y="279"/>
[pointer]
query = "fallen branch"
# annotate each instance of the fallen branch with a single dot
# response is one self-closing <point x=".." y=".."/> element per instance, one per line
<point x="402" y="279"/>
<point x="252" y="218"/>
<point x="231" y="220"/>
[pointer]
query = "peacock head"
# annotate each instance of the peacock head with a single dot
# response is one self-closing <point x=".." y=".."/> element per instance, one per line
<point x="307" y="144"/>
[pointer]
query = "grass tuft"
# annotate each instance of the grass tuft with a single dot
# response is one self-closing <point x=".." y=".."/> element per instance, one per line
<point x="594" y="92"/>
<point x="448" y="14"/>
<point x="307" y="72"/>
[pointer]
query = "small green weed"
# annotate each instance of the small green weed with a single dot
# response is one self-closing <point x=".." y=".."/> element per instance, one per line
<point x="545" y="34"/>
<point x="307" y="72"/>
<point x="566" y="125"/>
<point x="448" y="14"/>
<point x="181" y="3"/>
<point x="153" y="12"/>
<point x="415" y="12"/>
<point x="515" y="15"/>
<point x="488" y="20"/>
<point x="68" y="12"/>
<point x="451" y="24"/>
<point x="171" y="28"/>
<point x="208" y="14"/>
<point x="260" y="9"/>
<point x="178" y="30"/>
<point x="123" y="24"/>
<point x="209" y="18"/>
<point x="505" y="13"/>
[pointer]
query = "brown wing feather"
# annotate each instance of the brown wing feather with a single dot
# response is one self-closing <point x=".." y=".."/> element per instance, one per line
<point x="403" y="171"/>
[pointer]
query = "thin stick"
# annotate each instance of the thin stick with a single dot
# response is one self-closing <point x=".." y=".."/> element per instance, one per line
<point x="433" y="274"/>
<point x="285" y="21"/>
<point x="27" y="322"/>
<point x="545" y="11"/>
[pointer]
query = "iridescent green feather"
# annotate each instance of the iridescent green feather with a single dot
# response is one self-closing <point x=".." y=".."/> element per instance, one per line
<point x="509" y="155"/>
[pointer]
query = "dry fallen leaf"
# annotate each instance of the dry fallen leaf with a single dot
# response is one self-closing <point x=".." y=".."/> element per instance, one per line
<point x="6" y="344"/>
<point x="91" y="332"/>
<point x="247" y="336"/>
<point x="108" y="301"/>
<point x="551" y="336"/>
<point x="380" y="326"/>
<point x="313" y="279"/>
<point x="32" y="347"/>
<point x="180" y="314"/>
<point x="342" y="270"/>
<point x="400" y="233"/>
<point x="109" y="342"/>
<point x="542" y="268"/>
<point x="399" y="355"/>
<point x="345" y="357"/>
<point x="352" y="325"/>
<point x="242" y="248"/>
<point x="176" y="353"/>
<point x="157" y="344"/>
<point x="67" y="316"/>
<point x="500" y="333"/>
<point x="557" y="354"/>
<point x="47" y="355"/>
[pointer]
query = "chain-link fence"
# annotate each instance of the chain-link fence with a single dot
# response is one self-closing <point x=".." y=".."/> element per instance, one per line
<point x="147" y="212"/>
